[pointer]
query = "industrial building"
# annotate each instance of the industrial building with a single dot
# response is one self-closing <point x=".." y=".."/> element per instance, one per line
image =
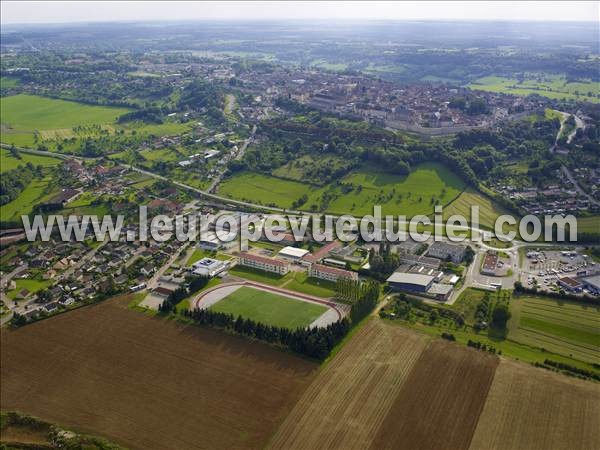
<point x="412" y="282"/>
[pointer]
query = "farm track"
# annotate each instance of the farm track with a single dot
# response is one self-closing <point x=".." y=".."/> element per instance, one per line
<point x="144" y="382"/>
<point x="441" y="401"/>
<point x="528" y="408"/>
<point x="352" y="395"/>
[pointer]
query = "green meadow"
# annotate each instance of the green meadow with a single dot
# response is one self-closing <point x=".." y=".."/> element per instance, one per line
<point x="410" y="195"/>
<point x="36" y="192"/>
<point x="551" y="86"/>
<point x="9" y="162"/>
<point x="31" y="112"/>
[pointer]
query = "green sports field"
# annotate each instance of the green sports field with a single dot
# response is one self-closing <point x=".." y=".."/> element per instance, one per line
<point x="269" y="308"/>
<point x="567" y="328"/>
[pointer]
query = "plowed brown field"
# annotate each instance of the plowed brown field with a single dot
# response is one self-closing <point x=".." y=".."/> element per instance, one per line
<point x="440" y="403"/>
<point x="348" y="400"/>
<point x="149" y="383"/>
<point x="529" y="408"/>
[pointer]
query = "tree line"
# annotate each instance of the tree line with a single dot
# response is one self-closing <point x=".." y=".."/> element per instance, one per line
<point x="314" y="343"/>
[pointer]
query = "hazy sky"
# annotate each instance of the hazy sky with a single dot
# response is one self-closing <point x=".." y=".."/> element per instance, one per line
<point x="72" y="11"/>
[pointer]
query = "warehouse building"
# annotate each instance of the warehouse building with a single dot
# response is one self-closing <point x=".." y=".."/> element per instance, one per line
<point x="592" y="284"/>
<point x="412" y="282"/>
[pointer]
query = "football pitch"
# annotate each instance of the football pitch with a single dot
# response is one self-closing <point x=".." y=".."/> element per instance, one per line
<point x="268" y="308"/>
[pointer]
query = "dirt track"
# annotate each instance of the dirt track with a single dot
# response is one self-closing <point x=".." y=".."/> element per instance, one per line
<point x="148" y="383"/>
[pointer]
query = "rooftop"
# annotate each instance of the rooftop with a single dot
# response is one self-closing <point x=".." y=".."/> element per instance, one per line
<point x="410" y="278"/>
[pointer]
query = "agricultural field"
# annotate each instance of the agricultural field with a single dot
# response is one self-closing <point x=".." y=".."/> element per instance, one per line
<point x="440" y="403"/>
<point x="196" y="385"/>
<point x="349" y="399"/>
<point x="263" y="189"/>
<point x="546" y="85"/>
<point x="588" y="224"/>
<point x="9" y="162"/>
<point x="531" y="408"/>
<point x="488" y="209"/>
<point x="568" y="328"/>
<point x="409" y="195"/>
<point x="269" y="308"/>
<point x="22" y="115"/>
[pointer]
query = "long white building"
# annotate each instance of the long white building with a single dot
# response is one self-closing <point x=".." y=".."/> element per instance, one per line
<point x="263" y="263"/>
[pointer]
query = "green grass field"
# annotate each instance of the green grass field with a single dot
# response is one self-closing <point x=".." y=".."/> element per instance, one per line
<point x="551" y="86"/>
<point x="269" y="308"/>
<point x="8" y="82"/>
<point x="406" y="195"/>
<point x="259" y="276"/>
<point x="568" y="328"/>
<point x="33" y="194"/>
<point x="30" y="112"/>
<point x="409" y="195"/>
<point x="311" y="286"/>
<point x="33" y="285"/>
<point x="589" y="224"/>
<point x="9" y="162"/>
<point x="263" y="189"/>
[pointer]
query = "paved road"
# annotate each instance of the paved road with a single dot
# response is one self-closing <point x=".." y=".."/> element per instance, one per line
<point x="239" y="155"/>
<point x="567" y="173"/>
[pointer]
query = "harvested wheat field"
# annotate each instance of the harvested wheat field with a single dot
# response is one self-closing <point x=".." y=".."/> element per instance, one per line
<point x="144" y="382"/>
<point x="440" y="403"/>
<point x="529" y="408"/>
<point x="350" y="398"/>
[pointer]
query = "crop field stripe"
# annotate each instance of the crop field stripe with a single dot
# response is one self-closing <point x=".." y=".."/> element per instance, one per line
<point x="587" y="328"/>
<point x="441" y="401"/>
<point x="528" y="408"/>
<point x="543" y="340"/>
<point x="148" y="383"/>
<point x="351" y="397"/>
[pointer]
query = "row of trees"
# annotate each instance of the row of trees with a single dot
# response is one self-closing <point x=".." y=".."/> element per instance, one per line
<point x="315" y="343"/>
<point x="312" y="342"/>
<point x="14" y="181"/>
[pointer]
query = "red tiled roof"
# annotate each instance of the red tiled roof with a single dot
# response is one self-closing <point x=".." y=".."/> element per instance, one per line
<point x="326" y="249"/>
<point x="333" y="270"/>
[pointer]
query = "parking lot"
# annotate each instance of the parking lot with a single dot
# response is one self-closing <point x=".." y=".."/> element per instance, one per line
<point x="544" y="268"/>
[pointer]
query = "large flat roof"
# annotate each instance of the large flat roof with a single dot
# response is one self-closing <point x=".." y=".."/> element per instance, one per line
<point x="410" y="278"/>
<point x="293" y="252"/>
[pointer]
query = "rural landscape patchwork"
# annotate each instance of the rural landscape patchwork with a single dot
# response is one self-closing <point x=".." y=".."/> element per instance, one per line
<point x="446" y="327"/>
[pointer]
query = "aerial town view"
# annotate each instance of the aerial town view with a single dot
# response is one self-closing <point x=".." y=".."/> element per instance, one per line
<point x="300" y="225"/>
